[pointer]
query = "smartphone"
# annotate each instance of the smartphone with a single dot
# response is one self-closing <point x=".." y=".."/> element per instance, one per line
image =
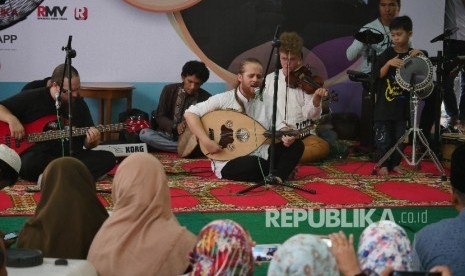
<point x="10" y="236"/>
<point x="264" y="252"/>
<point x="414" y="273"/>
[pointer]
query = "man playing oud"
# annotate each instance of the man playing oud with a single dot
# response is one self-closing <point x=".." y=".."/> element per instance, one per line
<point x="31" y="110"/>
<point x="254" y="166"/>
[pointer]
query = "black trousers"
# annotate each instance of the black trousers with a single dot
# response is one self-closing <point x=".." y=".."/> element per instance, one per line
<point x="253" y="169"/>
<point x="33" y="162"/>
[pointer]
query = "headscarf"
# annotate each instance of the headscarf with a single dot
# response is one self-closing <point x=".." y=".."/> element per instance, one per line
<point x="383" y="244"/>
<point x="142" y="236"/>
<point x="303" y="254"/>
<point x="68" y="215"/>
<point x="223" y="248"/>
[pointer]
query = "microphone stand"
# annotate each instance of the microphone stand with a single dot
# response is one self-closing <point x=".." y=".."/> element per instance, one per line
<point x="70" y="54"/>
<point x="271" y="179"/>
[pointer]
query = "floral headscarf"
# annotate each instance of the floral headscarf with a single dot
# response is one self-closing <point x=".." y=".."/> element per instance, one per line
<point x="223" y="248"/>
<point x="303" y="254"/>
<point x="383" y="244"/>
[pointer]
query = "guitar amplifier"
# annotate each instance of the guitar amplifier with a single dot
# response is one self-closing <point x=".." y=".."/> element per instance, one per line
<point x="122" y="150"/>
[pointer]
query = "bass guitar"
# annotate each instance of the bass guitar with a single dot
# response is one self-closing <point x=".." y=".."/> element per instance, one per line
<point x="239" y="134"/>
<point x="35" y="132"/>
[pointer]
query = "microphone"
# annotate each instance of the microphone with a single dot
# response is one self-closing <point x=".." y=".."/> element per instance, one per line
<point x="447" y="33"/>
<point x="68" y="47"/>
<point x="276" y="41"/>
<point x="57" y="100"/>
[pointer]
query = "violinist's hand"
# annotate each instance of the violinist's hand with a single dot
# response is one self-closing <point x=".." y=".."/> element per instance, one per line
<point x="211" y="146"/>
<point x="287" y="140"/>
<point x="319" y="94"/>
<point x="396" y="62"/>
<point x="415" y="52"/>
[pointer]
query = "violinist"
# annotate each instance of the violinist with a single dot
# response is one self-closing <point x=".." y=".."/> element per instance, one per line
<point x="299" y="94"/>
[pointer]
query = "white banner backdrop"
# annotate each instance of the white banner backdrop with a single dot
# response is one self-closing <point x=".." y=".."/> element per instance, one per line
<point x="116" y="42"/>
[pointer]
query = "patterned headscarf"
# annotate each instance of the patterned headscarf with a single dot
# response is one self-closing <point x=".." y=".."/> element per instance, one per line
<point x="223" y="248"/>
<point x="303" y="254"/>
<point x="383" y="244"/>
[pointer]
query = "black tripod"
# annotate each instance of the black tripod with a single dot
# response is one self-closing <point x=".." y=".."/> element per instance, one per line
<point x="271" y="178"/>
<point x="416" y="133"/>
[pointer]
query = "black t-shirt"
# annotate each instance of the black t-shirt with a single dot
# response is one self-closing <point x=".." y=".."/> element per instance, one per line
<point x="32" y="105"/>
<point x="392" y="102"/>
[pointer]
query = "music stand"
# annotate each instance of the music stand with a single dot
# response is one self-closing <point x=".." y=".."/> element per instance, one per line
<point x="271" y="179"/>
<point x="414" y="80"/>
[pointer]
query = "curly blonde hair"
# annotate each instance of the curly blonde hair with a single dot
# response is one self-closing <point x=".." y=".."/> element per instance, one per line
<point x="291" y="42"/>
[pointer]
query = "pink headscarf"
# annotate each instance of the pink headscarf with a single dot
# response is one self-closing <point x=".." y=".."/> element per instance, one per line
<point x="142" y="236"/>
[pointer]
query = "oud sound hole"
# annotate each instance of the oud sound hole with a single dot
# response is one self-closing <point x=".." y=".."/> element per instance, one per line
<point x="242" y="135"/>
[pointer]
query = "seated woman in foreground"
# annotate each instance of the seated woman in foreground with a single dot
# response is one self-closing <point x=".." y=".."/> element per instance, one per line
<point x="68" y="215"/>
<point x="142" y="236"/>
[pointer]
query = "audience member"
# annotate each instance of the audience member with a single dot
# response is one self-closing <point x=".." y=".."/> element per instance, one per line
<point x="68" y="214"/>
<point x="443" y="242"/>
<point x="10" y="165"/>
<point x="383" y="247"/>
<point x="303" y="254"/>
<point x="223" y="248"/>
<point x="384" y="244"/>
<point x="174" y="100"/>
<point x="142" y="236"/>
<point x="31" y="108"/>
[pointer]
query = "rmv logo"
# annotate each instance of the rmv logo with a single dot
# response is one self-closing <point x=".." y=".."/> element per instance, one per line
<point x="46" y="11"/>
<point x="80" y="13"/>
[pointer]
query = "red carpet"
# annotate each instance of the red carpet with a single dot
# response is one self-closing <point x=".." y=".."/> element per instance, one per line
<point x="338" y="184"/>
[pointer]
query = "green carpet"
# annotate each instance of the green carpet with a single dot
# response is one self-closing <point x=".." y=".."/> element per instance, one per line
<point x="412" y="219"/>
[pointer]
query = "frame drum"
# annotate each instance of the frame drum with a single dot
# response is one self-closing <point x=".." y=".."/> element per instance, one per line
<point x="449" y="142"/>
<point x="417" y="70"/>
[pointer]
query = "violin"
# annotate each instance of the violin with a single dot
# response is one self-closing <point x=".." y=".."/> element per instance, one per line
<point x="302" y="78"/>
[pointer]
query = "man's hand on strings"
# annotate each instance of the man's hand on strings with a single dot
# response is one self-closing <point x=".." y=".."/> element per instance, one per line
<point x="16" y="128"/>
<point x="92" y="138"/>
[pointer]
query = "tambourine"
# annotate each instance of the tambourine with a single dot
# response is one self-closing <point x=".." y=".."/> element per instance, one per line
<point x="416" y="71"/>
